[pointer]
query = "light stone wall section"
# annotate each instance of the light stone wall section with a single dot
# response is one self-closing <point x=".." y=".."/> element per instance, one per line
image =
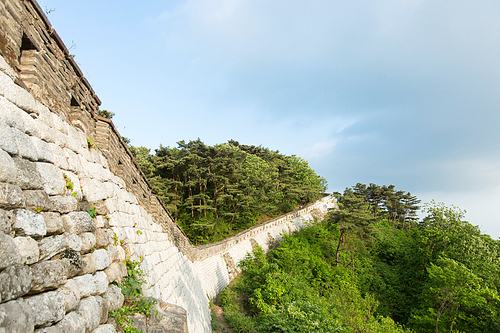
<point x="56" y="262"/>
<point x="67" y="260"/>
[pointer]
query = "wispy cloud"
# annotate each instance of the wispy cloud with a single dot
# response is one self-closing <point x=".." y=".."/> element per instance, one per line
<point x="318" y="150"/>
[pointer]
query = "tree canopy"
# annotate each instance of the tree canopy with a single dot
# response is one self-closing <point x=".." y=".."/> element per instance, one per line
<point x="216" y="191"/>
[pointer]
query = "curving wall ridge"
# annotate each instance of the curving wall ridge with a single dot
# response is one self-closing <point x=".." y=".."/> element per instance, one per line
<point x="56" y="262"/>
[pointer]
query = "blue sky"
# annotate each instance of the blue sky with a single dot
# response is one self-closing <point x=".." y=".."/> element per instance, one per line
<point x="389" y="92"/>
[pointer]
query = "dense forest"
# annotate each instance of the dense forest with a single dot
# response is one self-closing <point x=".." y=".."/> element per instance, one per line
<point x="372" y="266"/>
<point x="216" y="191"/>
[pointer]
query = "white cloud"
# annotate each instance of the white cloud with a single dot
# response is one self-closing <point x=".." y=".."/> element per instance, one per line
<point x="318" y="150"/>
<point x="481" y="206"/>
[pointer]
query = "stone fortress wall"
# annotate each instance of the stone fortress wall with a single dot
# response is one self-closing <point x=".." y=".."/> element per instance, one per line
<point x="57" y="264"/>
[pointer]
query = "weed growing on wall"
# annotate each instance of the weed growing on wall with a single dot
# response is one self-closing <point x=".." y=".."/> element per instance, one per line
<point x="69" y="183"/>
<point x="135" y="302"/>
<point x="90" y="143"/>
<point x="92" y="212"/>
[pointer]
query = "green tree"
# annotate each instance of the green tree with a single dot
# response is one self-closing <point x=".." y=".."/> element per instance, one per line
<point x="105" y="113"/>
<point x="353" y="217"/>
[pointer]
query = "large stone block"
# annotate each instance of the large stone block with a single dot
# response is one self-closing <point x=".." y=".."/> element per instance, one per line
<point x="48" y="275"/>
<point x="103" y="237"/>
<point x="112" y="253"/>
<point x="28" y="177"/>
<point x="7" y="141"/>
<point x="25" y="100"/>
<point x="16" y="317"/>
<point x="25" y="146"/>
<point x="36" y="200"/>
<point x="53" y="222"/>
<point x="73" y="242"/>
<point x="72" y="260"/>
<point x="71" y="293"/>
<point x="101" y="259"/>
<point x="94" y="190"/>
<point x="73" y="142"/>
<point x="90" y="312"/>
<point x="72" y="323"/>
<point x="88" y="264"/>
<point x="167" y="316"/>
<point x="58" y="153"/>
<point x="9" y="254"/>
<point x="43" y="150"/>
<point x="103" y="306"/>
<point x="48" y="307"/>
<point x="8" y="169"/>
<point x="63" y="204"/>
<point x="101" y="282"/>
<point x="78" y="222"/>
<point x="88" y="241"/>
<point x="74" y="164"/>
<point x="28" y="250"/>
<point x="86" y="285"/>
<point x="11" y="196"/>
<point x="46" y="132"/>
<point x="52" y="245"/>
<point x="17" y="118"/>
<point x="139" y="321"/>
<point x="15" y="281"/>
<point x="53" y="180"/>
<point x="6" y="220"/>
<point x="27" y="223"/>
<point x="114" y="297"/>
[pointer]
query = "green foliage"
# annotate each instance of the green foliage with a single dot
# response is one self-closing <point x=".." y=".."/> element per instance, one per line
<point x="216" y="191"/>
<point x="391" y="274"/>
<point x="69" y="183"/>
<point x="92" y="212"/>
<point x="135" y="302"/>
<point x="105" y="113"/>
<point x="90" y="144"/>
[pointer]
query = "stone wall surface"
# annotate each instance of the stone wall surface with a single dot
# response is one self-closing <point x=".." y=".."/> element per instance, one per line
<point x="57" y="160"/>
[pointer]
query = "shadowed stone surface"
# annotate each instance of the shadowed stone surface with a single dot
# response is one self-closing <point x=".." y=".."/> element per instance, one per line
<point x="15" y="281"/>
<point x="47" y="307"/>
<point x="8" y="169"/>
<point x="51" y="329"/>
<point x="63" y="204"/>
<point x="6" y="219"/>
<point x="16" y="317"/>
<point x="9" y="255"/>
<point x="72" y="323"/>
<point x="78" y="222"/>
<point x="28" y="177"/>
<point x="53" y="222"/>
<point x="11" y="196"/>
<point x="36" y="199"/>
<point x="71" y="293"/>
<point x="48" y="275"/>
<point x="114" y="297"/>
<point x="90" y="312"/>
